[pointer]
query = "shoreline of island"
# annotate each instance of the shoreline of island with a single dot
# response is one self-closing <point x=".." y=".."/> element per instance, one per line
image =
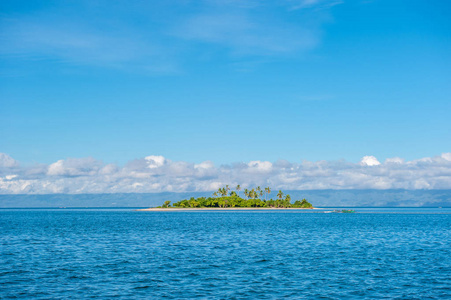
<point x="223" y="208"/>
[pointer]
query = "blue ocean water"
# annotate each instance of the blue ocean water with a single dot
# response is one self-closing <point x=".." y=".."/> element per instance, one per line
<point x="125" y="254"/>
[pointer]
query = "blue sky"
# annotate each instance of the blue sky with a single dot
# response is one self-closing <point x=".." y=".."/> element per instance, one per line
<point x="224" y="81"/>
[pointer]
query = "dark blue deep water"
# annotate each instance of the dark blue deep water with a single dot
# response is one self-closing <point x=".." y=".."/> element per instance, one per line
<point x="228" y="255"/>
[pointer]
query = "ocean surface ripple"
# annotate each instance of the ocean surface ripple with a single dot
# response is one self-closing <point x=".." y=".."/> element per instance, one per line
<point x="223" y="255"/>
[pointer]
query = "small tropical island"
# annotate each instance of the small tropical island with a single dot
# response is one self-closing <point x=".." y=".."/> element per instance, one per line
<point x="225" y="198"/>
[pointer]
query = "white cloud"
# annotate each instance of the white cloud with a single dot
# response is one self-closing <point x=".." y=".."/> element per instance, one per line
<point x="155" y="161"/>
<point x="74" y="167"/>
<point x="205" y="165"/>
<point x="7" y="161"/>
<point x="263" y="166"/>
<point x="369" y="161"/>
<point x="109" y="169"/>
<point x="157" y="174"/>
<point x="394" y="160"/>
<point x="446" y="156"/>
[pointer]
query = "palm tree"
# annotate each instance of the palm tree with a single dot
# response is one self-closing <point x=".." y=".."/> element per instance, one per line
<point x="261" y="194"/>
<point x="268" y="191"/>
<point x="227" y="189"/>
<point x="215" y="194"/>
<point x="287" y="201"/>
<point x="253" y="193"/>
<point x="280" y="194"/>
<point x="238" y="188"/>
<point x="246" y="193"/>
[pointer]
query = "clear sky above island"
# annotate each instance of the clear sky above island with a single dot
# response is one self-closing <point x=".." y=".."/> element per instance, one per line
<point x="225" y="81"/>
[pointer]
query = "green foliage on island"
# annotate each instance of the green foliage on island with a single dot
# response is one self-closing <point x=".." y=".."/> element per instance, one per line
<point x="253" y="198"/>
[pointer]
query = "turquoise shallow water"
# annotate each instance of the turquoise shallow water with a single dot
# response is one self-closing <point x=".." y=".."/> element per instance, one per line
<point x="111" y="253"/>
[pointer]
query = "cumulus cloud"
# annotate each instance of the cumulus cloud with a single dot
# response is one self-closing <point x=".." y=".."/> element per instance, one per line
<point x="369" y="161"/>
<point x="154" y="161"/>
<point x="260" y="166"/>
<point x="74" y="167"/>
<point x="7" y="161"/>
<point x="156" y="173"/>
<point x="446" y="156"/>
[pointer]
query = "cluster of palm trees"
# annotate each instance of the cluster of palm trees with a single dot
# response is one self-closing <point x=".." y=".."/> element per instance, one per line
<point x="235" y="201"/>
<point x="224" y="197"/>
<point x="250" y="194"/>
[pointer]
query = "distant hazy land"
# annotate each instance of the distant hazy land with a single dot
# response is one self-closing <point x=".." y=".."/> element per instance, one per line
<point x="319" y="198"/>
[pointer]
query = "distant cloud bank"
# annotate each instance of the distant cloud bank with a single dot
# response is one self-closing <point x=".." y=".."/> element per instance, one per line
<point x="159" y="174"/>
